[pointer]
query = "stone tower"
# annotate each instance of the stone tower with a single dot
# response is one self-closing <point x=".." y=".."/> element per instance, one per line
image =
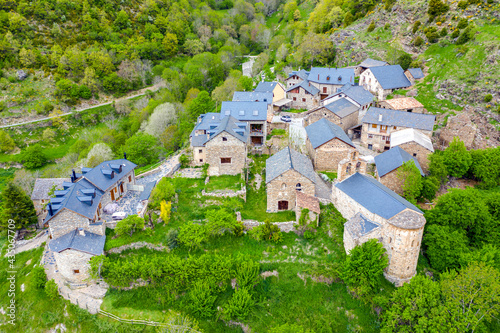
<point x="349" y="166"/>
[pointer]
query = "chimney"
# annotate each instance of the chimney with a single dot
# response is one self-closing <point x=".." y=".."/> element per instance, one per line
<point x="73" y="176"/>
<point x="379" y="117"/>
<point x="81" y="232"/>
<point x="318" y="76"/>
<point x="125" y="155"/>
<point x="51" y="212"/>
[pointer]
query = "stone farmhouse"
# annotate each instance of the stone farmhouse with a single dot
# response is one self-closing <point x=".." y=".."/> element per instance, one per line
<point x="375" y="212"/>
<point x="368" y="63"/>
<point x="303" y="95"/>
<point x="253" y="113"/>
<point x="383" y="80"/>
<point x="222" y="143"/>
<point x="287" y="172"/>
<point x="378" y="124"/>
<point x="414" y="143"/>
<point x="414" y="74"/>
<point x="388" y="164"/>
<point x="40" y="195"/>
<point x="327" y="144"/>
<point x="407" y="104"/>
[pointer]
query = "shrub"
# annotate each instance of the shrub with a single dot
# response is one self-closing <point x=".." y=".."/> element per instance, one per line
<point x="462" y="24"/>
<point x="267" y="231"/>
<point x="39" y="277"/>
<point x="51" y="290"/>
<point x="184" y="160"/>
<point x="405" y="61"/>
<point x="129" y="225"/>
<point x="239" y="305"/>
<point x="467" y="34"/>
<point x="202" y="300"/>
<point x="418" y="41"/>
<point x="463" y="4"/>
<point x="488" y="98"/>
<point x="387" y="26"/>
<point x="171" y="238"/>
<point x="416" y="25"/>
<point x="6" y="142"/>
<point x="163" y="191"/>
<point x="33" y="157"/>
<point x="432" y="35"/>
<point x="437" y="7"/>
<point x="444" y="32"/>
<point x="165" y="210"/>
<point x="371" y="27"/>
<point x="247" y="274"/>
<point x="192" y="235"/>
<point x="455" y="33"/>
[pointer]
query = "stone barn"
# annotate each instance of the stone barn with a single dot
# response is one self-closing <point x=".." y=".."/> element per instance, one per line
<point x="388" y="164"/>
<point x="407" y="104"/>
<point x="414" y="143"/>
<point x="414" y="74"/>
<point x="375" y="212"/>
<point x="327" y="144"/>
<point x="287" y="172"/>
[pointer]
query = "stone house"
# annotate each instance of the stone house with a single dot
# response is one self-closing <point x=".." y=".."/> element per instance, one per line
<point x="407" y="104"/>
<point x="368" y="63"/>
<point x="414" y="143"/>
<point x="341" y="112"/>
<point x="303" y="95"/>
<point x="327" y="144"/>
<point x="375" y="212"/>
<point x="287" y="172"/>
<point x="72" y="253"/>
<point x="40" y="195"/>
<point x="388" y="164"/>
<point x="383" y="80"/>
<point x="414" y="74"/>
<point x="309" y="202"/>
<point x="378" y="124"/>
<point x="330" y="80"/>
<point x="253" y="113"/>
<point x="295" y="78"/>
<point x="357" y="95"/>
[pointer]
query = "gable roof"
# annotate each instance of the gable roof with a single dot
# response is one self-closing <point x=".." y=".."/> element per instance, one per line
<point x="307" y="86"/>
<point x="374" y="196"/>
<point x="411" y="135"/>
<point x="393" y="159"/>
<point x="251" y="96"/>
<point x="399" y="118"/>
<point x="359" y="226"/>
<point x="231" y="126"/>
<point x="323" y="131"/>
<point x="89" y="243"/>
<point x="342" y="107"/>
<point x="390" y="77"/>
<point x="368" y="62"/>
<point x="416" y="73"/>
<point x="403" y="103"/>
<point x="245" y="111"/>
<point x="358" y="94"/>
<point x="288" y="159"/>
<point x="44" y="185"/>
<point x="301" y="73"/>
<point x="97" y="176"/>
<point x="267" y="86"/>
<point x="337" y="76"/>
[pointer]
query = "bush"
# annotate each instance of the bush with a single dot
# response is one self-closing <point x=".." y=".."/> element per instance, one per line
<point x="405" y="61"/>
<point x="455" y="33"/>
<point x="463" y="4"/>
<point x="39" y="277"/>
<point x="267" y="231"/>
<point x="129" y="225"/>
<point x="184" y="160"/>
<point x="488" y="98"/>
<point x="239" y="305"/>
<point x="33" y="157"/>
<point x="415" y="27"/>
<point x="462" y="24"/>
<point x="432" y="35"/>
<point x="444" y="32"/>
<point x="418" y="41"/>
<point x="6" y="142"/>
<point x="247" y="274"/>
<point x="163" y="191"/>
<point x="437" y="7"/>
<point x="387" y="26"/>
<point x="171" y="238"/>
<point x="202" y="300"/>
<point x="371" y="27"/>
<point x="192" y="235"/>
<point x="51" y="290"/>
<point x="466" y="36"/>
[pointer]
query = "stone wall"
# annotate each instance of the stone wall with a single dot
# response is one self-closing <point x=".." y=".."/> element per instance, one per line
<point x="327" y="89"/>
<point x="419" y="152"/>
<point x="283" y="187"/>
<point x="344" y="123"/>
<point x="392" y="181"/>
<point x="350" y="242"/>
<point x="69" y="260"/>
<point x="370" y="83"/>
<point x="302" y="99"/>
<point x="227" y="193"/>
<point x="328" y="155"/>
<point x="106" y="197"/>
<point x="378" y="139"/>
<point x="67" y="220"/>
<point x="233" y="148"/>
<point x="385" y="105"/>
<point x="199" y="156"/>
<point x="283" y="226"/>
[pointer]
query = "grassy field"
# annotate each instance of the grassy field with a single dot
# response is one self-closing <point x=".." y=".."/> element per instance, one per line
<point x="225" y="182"/>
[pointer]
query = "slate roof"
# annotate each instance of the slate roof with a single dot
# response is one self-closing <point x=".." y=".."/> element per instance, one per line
<point x="358" y="94"/>
<point x="302" y="74"/>
<point x="323" y="131"/>
<point x="266" y="86"/>
<point x="287" y="159"/>
<point x="368" y="62"/>
<point x="374" y="196"/>
<point x="324" y="75"/>
<point x="308" y="201"/>
<point x="391" y="77"/>
<point x="404" y="103"/>
<point x="342" y="107"/>
<point x="399" y="118"/>
<point x="245" y="111"/>
<point x="44" y="185"/>
<point x="251" y="96"/>
<point x="228" y="124"/>
<point x="411" y="135"/>
<point x="416" y="73"/>
<point x="102" y="182"/>
<point x="72" y="200"/>
<point x="393" y="159"/>
<point x="359" y="226"/>
<point x="308" y="87"/>
<point x="90" y="243"/>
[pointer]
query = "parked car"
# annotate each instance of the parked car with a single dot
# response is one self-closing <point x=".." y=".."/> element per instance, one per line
<point x="119" y="216"/>
<point x="286" y="119"/>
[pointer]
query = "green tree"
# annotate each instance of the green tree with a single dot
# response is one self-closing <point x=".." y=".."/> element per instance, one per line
<point x="220" y="221"/>
<point x="39" y="277"/>
<point x="6" y="142"/>
<point x="486" y="166"/>
<point x="364" y="267"/>
<point x="163" y="191"/>
<point x="141" y="149"/>
<point x="170" y="44"/>
<point x="412" y="181"/>
<point x="52" y="290"/>
<point x="201" y="104"/>
<point x="457" y="159"/>
<point x="129" y="225"/>
<point x="437" y="167"/>
<point x="404" y="61"/>
<point x="17" y="206"/>
<point x="122" y="21"/>
<point x="165" y="211"/>
<point x="437" y="7"/>
<point x="192" y="235"/>
<point x="33" y="157"/>
<point x="445" y="246"/>
<point x="430" y="185"/>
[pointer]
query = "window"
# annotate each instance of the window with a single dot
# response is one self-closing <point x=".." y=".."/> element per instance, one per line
<point x="395" y="128"/>
<point x="242" y="113"/>
<point x="129" y="179"/>
<point x="383" y="138"/>
<point x="224" y="138"/>
<point x="225" y="160"/>
<point x="324" y="90"/>
<point x="390" y="240"/>
<point x="348" y="169"/>
<point x="298" y="187"/>
<point x="76" y="271"/>
<point x="200" y="151"/>
<point x="374" y="125"/>
<point x="255" y="112"/>
<point x="412" y="243"/>
<point x="303" y="99"/>
<point x="295" y="98"/>
<point x="370" y="146"/>
<point x="283" y="186"/>
<point x="370" y="136"/>
<point x="201" y="160"/>
<point x="414" y="154"/>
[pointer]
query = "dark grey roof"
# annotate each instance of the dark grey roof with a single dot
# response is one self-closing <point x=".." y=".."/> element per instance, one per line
<point x="245" y="111"/>
<point x="393" y="159"/>
<point x="374" y="196"/>
<point x="391" y="77"/>
<point x="416" y="73"/>
<point x="208" y="121"/>
<point x="148" y="188"/>
<point x="399" y="118"/>
<point x="44" y="185"/>
<point x="266" y="86"/>
<point x="368" y="62"/>
<point x="358" y="94"/>
<point x="99" y="176"/>
<point x="213" y="124"/>
<point x="73" y="199"/>
<point x="231" y="126"/>
<point x="323" y="131"/>
<point x="307" y="86"/>
<point x="302" y="74"/>
<point x="359" y="226"/>
<point x="90" y="243"/>
<point x="335" y="76"/>
<point x="251" y="96"/>
<point x="342" y="107"/>
<point x="287" y="159"/>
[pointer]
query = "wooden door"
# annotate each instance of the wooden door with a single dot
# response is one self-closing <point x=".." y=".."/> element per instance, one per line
<point x="282" y="205"/>
<point x="121" y="188"/>
<point x="112" y="195"/>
